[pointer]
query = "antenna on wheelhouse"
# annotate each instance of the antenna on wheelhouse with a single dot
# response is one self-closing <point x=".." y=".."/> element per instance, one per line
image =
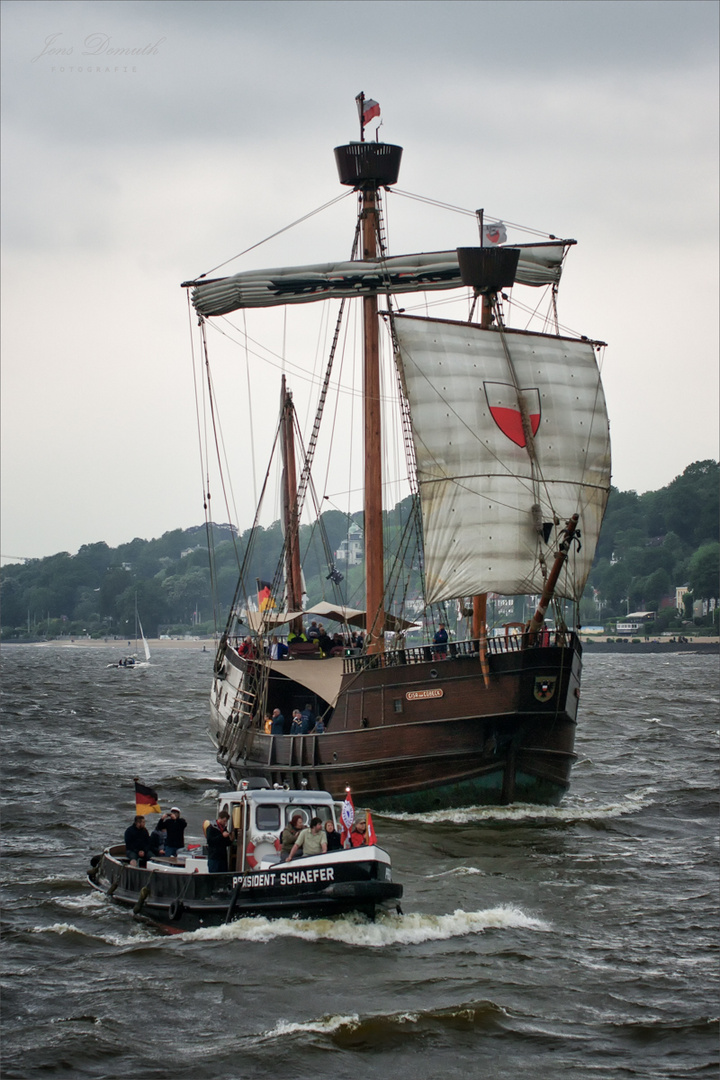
<point x="366" y="167"/>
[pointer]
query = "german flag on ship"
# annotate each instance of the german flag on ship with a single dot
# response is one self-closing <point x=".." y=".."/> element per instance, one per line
<point x="265" y="599"/>
<point x="146" y="800"/>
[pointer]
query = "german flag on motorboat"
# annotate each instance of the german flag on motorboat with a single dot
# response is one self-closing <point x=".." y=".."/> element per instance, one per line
<point x="146" y="800"/>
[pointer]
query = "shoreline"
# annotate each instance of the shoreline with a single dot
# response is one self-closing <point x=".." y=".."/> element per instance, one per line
<point x="122" y="644"/>
<point x="590" y="645"/>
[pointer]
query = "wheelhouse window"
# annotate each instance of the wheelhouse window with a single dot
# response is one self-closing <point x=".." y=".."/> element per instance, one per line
<point x="306" y="811"/>
<point x="267" y="817"/>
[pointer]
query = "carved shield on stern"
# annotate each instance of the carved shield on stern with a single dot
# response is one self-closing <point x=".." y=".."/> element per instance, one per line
<point x="544" y="687"/>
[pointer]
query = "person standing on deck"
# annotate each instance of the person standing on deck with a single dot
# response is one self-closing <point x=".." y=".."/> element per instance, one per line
<point x="277" y="725"/>
<point x="175" y="826"/>
<point x="218" y="839"/>
<point x="440" y="643"/>
<point x="308" y="720"/>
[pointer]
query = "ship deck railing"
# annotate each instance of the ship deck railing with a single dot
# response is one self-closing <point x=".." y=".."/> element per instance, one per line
<point x="424" y="654"/>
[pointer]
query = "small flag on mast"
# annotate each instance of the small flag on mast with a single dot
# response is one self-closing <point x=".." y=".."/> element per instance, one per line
<point x="494" y="233"/>
<point x="367" y="108"/>
<point x="146" y="800"/>
<point x="370" y="834"/>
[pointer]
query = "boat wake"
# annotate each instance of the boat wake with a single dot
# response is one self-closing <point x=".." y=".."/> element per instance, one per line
<point x="390" y="929"/>
<point x="576" y="810"/>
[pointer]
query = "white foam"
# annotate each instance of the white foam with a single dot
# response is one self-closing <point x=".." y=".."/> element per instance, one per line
<point x="575" y="809"/>
<point x="326" y="1026"/>
<point x="413" y="929"/>
<point x="81" y="903"/>
<point x="456" y="870"/>
<point x="120" y="940"/>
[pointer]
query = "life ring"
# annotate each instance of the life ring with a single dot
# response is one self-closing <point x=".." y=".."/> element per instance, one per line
<point x="262" y="838"/>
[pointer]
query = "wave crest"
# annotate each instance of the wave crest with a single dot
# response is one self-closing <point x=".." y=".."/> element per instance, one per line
<point x="413" y="929"/>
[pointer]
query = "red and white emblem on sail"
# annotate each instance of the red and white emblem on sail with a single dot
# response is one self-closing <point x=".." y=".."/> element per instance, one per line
<point x="502" y="399"/>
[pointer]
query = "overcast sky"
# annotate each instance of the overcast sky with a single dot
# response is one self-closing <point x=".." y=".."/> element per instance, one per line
<point x="125" y="175"/>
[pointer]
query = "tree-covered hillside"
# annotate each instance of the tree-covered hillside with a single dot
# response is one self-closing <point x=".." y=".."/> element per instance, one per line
<point x="653" y="544"/>
<point x="650" y="545"/>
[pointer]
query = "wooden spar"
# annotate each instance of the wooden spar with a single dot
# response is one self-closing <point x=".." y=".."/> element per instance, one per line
<point x="547" y="594"/>
<point x="479" y="631"/>
<point x="293" y="575"/>
<point x="373" y="525"/>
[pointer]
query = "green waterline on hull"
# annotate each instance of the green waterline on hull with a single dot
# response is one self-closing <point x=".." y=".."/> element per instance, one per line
<point x="482" y="791"/>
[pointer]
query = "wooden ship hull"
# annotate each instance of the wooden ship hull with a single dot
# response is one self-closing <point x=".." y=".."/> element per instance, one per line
<point x="413" y="731"/>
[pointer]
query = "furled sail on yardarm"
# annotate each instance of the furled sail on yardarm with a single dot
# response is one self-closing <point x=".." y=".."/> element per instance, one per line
<point x="508" y="467"/>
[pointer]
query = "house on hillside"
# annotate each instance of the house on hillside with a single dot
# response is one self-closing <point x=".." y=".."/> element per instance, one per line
<point x="351" y="551"/>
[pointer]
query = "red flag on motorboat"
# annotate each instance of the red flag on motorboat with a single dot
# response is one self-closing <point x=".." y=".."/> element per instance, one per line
<point x="347" y="817"/>
<point x="146" y="800"/>
<point x="370" y="833"/>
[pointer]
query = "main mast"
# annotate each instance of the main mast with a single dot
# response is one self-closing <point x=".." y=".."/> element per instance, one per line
<point x="367" y="167"/>
<point x="293" y="575"/>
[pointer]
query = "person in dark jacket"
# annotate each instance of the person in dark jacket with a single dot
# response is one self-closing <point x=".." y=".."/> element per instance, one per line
<point x="176" y="826"/>
<point x="307" y="720"/>
<point x="218" y="838"/>
<point x="440" y="643"/>
<point x="277" y="726"/>
<point x="332" y="836"/>
<point x="158" y="838"/>
<point x="137" y="842"/>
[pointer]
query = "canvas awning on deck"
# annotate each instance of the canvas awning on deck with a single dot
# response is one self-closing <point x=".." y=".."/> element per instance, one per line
<point x="321" y="677"/>
<point x="268" y="620"/>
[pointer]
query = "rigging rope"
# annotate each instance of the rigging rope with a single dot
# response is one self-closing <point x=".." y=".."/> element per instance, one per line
<point x="279" y="232"/>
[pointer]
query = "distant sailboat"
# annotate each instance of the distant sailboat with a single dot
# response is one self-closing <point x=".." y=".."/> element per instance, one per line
<point x="146" y="647"/>
<point x="132" y="661"/>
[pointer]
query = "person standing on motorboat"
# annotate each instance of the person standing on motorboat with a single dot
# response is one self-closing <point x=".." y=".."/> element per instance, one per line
<point x="312" y="840"/>
<point x="218" y="838"/>
<point x="176" y="827"/>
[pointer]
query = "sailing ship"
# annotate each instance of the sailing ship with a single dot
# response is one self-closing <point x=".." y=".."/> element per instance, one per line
<point x="508" y="467"/>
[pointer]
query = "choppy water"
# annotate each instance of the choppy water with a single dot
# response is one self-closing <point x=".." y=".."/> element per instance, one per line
<point x="574" y="942"/>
